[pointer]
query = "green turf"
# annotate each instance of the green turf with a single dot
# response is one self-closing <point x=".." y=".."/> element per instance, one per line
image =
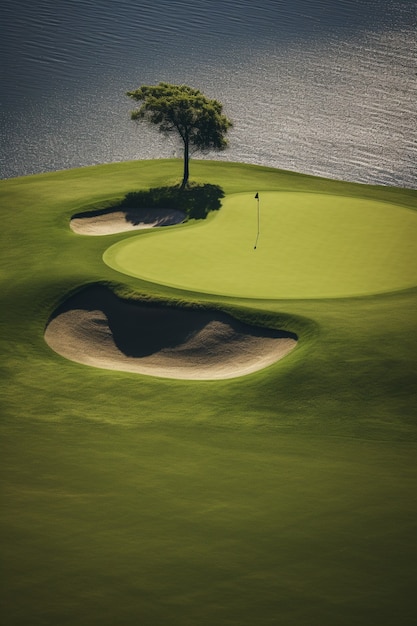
<point x="283" y="497"/>
<point x="310" y="246"/>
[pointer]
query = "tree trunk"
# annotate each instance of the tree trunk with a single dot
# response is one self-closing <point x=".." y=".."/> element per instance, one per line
<point x="186" y="164"/>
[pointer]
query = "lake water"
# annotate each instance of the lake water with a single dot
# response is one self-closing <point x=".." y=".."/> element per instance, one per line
<point x="326" y="87"/>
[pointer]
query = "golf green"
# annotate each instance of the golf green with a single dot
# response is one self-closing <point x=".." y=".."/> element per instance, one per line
<point x="310" y="245"/>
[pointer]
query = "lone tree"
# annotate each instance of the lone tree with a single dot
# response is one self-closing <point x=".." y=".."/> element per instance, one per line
<point x="184" y="110"/>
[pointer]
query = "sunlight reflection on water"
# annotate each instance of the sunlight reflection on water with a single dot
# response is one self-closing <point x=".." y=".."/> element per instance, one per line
<point x="311" y="86"/>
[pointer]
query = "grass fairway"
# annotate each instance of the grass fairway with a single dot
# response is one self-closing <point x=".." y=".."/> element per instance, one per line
<point x="284" y="497"/>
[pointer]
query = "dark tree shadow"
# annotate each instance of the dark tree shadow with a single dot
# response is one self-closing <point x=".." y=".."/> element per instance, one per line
<point x="166" y="205"/>
<point x="196" y="201"/>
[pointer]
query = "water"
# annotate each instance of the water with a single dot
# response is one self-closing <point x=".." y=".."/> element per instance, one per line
<point x="326" y="87"/>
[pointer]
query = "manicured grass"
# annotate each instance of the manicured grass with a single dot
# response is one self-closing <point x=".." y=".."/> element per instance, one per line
<point x="287" y="496"/>
<point x="310" y="246"/>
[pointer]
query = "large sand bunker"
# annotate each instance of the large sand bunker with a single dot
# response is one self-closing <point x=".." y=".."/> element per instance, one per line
<point x="96" y="328"/>
<point x="109" y="222"/>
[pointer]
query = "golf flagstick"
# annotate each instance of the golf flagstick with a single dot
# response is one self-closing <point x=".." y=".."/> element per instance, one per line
<point x="259" y="222"/>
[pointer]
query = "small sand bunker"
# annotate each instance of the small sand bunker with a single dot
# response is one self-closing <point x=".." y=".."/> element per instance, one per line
<point x="96" y="328"/>
<point x="109" y="222"/>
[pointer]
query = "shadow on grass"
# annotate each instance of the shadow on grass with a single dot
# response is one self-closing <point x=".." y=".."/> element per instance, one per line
<point x="196" y="201"/>
<point x="164" y="205"/>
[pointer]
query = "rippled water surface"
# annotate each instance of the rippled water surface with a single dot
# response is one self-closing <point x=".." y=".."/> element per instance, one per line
<point x="326" y="87"/>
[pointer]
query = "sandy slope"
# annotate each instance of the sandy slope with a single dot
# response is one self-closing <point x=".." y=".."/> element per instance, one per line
<point x="96" y="328"/>
<point x="111" y="222"/>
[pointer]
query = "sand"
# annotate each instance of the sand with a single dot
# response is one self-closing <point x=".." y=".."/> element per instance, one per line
<point x="117" y="221"/>
<point x="96" y="328"/>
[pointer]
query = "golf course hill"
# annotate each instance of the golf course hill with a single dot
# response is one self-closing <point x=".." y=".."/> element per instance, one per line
<point x="195" y="431"/>
<point x="310" y="245"/>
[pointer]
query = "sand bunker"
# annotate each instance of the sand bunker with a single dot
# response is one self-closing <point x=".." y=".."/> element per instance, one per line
<point x="96" y="328"/>
<point x="109" y="222"/>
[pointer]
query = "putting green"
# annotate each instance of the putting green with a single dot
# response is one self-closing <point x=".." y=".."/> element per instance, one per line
<point x="310" y="246"/>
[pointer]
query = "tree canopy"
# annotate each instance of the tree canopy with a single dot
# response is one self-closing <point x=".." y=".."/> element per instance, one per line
<point x="197" y="120"/>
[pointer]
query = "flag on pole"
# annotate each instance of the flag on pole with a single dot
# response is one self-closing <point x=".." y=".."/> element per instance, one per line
<point x="259" y="222"/>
